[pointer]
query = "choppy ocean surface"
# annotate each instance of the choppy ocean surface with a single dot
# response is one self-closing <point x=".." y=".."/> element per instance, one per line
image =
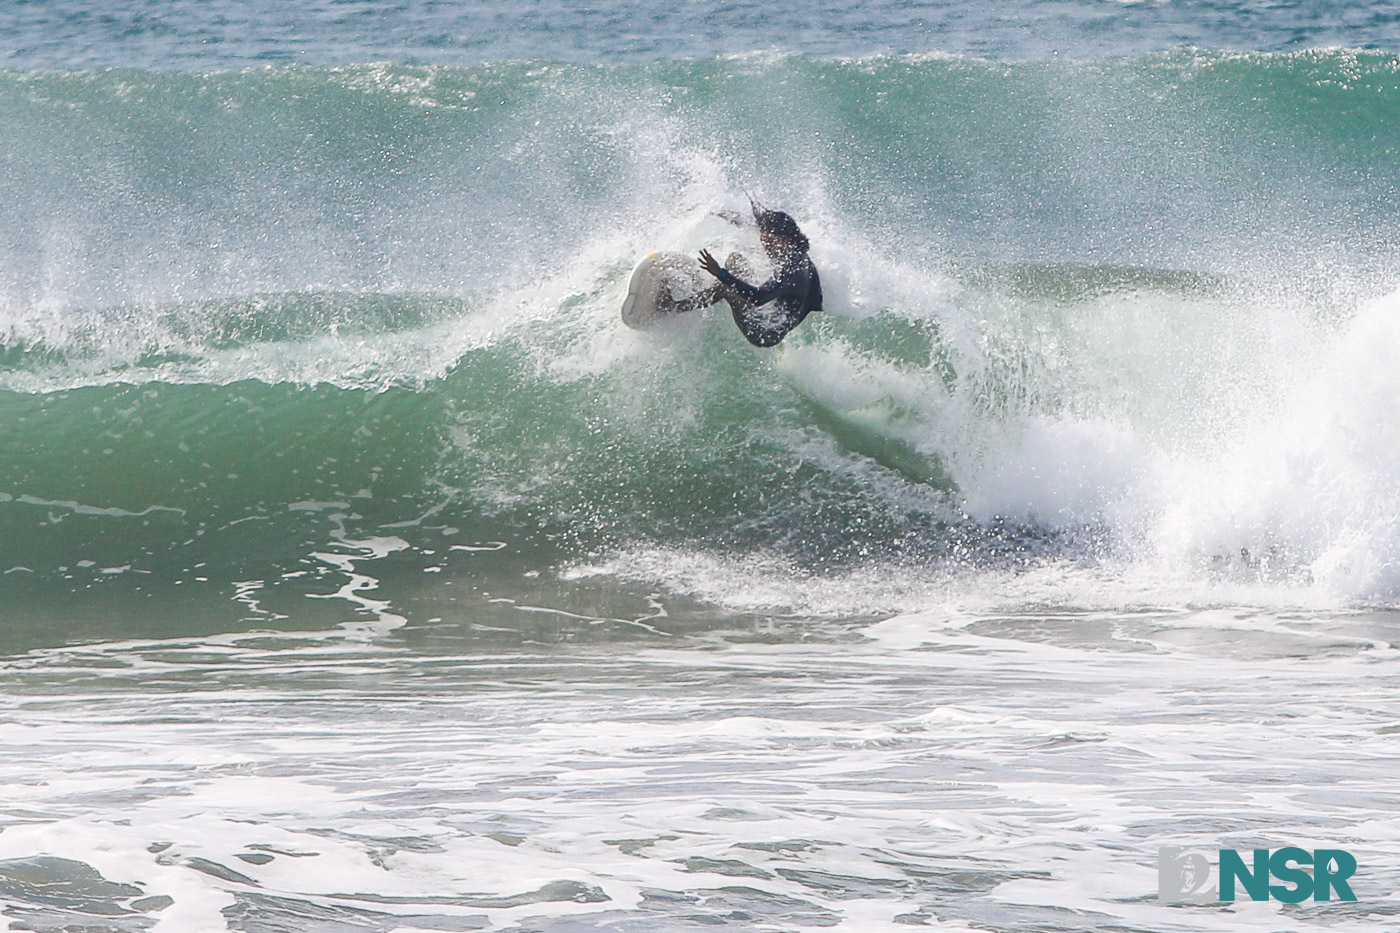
<point x="359" y="571"/>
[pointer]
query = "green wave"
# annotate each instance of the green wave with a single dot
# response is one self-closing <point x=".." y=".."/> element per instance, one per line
<point x="249" y="317"/>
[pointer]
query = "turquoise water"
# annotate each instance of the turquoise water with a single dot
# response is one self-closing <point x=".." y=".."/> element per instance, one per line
<point x="360" y="571"/>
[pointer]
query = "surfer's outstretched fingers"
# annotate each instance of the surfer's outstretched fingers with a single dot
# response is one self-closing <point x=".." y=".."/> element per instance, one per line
<point x="707" y="262"/>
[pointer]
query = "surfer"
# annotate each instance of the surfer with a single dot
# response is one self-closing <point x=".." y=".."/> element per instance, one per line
<point x="794" y="291"/>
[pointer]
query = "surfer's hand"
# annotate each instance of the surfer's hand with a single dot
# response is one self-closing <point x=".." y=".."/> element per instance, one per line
<point x="707" y="262"/>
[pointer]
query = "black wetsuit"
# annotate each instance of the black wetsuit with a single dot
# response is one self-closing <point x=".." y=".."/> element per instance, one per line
<point x="795" y="291"/>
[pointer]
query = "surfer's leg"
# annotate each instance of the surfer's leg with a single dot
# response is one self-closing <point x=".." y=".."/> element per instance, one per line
<point x="699" y="301"/>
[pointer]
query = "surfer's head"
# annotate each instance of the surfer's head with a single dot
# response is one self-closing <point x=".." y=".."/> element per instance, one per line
<point x="779" y="233"/>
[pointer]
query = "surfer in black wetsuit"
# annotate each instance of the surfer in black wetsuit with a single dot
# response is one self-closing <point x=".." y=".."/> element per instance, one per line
<point x="794" y="291"/>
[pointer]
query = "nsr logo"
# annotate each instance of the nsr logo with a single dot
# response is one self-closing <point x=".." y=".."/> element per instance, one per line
<point x="1183" y="875"/>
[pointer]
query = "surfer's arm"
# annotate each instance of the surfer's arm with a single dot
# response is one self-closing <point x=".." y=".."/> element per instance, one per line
<point x="756" y="294"/>
<point x="760" y="328"/>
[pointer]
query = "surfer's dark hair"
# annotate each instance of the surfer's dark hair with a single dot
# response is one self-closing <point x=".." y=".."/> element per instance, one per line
<point x="782" y="225"/>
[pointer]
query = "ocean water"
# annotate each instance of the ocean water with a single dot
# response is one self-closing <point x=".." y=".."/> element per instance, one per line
<point x="359" y="571"/>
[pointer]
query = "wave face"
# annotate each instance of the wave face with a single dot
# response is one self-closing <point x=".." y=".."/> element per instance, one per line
<point x="1096" y="331"/>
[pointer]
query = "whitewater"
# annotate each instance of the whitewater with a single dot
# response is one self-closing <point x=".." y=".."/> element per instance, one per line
<point x="359" y="570"/>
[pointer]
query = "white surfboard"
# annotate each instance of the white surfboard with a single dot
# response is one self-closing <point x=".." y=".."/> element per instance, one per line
<point x="660" y="280"/>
